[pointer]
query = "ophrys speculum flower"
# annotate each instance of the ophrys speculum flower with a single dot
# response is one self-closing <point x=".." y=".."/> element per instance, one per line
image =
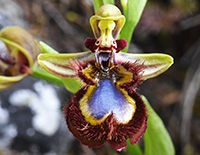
<point x="18" y="54"/>
<point x="107" y="107"/>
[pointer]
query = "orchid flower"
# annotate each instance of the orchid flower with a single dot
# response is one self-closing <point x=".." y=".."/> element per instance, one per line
<point x="18" y="54"/>
<point x="107" y="107"/>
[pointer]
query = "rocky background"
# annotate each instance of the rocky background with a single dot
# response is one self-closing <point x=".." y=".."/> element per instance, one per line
<point x="31" y="119"/>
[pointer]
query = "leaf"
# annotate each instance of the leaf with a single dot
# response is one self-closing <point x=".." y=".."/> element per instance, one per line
<point x="155" y="64"/>
<point x="132" y="11"/>
<point x="156" y="139"/>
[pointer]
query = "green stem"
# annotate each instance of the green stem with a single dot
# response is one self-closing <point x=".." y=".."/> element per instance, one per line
<point x="40" y="73"/>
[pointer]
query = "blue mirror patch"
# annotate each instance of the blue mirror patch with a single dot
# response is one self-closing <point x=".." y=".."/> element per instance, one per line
<point x="106" y="99"/>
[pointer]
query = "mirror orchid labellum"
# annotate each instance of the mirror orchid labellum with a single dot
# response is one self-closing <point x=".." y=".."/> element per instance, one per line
<point x="107" y="108"/>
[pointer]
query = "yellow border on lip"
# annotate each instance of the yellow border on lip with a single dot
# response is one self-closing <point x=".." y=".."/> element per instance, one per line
<point x="85" y="101"/>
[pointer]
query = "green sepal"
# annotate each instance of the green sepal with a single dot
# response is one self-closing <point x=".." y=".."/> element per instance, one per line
<point x="8" y="81"/>
<point x="23" y="49"/>
<point x="101" y="22"/>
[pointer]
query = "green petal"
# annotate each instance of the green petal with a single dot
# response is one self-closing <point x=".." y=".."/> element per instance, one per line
<point x="7" y="81"/>
<point x="155" y="63"/>
<point x="5" y="86"/>
<point x="58" y="64"/>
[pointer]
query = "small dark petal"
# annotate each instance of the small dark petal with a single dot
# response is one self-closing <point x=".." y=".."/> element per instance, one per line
<point x="121" y="44"/>
<point x="90" y="44"/>
<point x="116" y="134"/>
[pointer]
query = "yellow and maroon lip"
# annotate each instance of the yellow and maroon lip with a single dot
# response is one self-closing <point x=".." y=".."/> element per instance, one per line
<point x="109" y="112"/>
<point x="109" y="129"/>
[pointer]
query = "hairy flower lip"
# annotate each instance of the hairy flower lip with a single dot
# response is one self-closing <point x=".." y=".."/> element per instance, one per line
<point x="109" y="130"/>
<point x="83" y="131"/>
